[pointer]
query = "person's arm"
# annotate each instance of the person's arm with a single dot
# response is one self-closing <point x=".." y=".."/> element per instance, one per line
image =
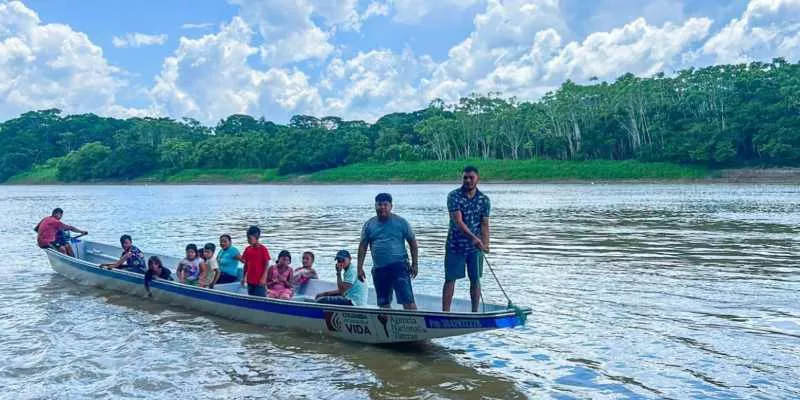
<point x="116" y="264"/>
<point x="485" y="233"/>
<point x="217" y="274"/>
<point x="76" y="230"/>
<point x="459" y="220"/>
<point x="343" y="286"/>
<point x="263" y="278"/>
<point x="362" y="253"/>
<point x="412" y="244"/>
<point x="203" y="272"/>
<point x="244" y="269"/>
<point x="485" y="213"/>
<point x="414" y="248"/>
<point x="288" y="282"/>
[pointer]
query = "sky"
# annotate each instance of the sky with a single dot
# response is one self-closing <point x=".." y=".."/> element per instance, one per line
<point x="356" y="59"/>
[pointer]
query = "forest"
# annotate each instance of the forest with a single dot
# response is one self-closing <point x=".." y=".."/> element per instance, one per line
<point x="721" y="116"/>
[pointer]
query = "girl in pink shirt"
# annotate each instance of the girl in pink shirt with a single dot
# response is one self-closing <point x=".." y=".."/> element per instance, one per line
<point x="306" y="272"/>
<point x="279" y="278"/>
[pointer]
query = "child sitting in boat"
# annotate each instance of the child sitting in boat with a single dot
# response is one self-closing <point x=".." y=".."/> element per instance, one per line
<point x="279" y="278"/>
<point x="155" y="269"/>
<point x="305" y="273"/>
<point x="350" y="291"/>
<point x="209" y="269"/>
<point x="189" y="268"/>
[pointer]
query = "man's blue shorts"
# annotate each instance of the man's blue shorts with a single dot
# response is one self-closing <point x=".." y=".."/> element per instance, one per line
<point x="455" y="264"/>
<point x="393" y="277"/>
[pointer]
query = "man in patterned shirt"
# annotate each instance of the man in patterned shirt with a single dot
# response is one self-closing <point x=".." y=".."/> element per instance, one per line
<point x="467" y="238"/>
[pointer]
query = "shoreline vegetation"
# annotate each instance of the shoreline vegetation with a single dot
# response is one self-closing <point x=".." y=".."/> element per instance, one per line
<point x="492" y="171"/>
<point x="683" y="126"/>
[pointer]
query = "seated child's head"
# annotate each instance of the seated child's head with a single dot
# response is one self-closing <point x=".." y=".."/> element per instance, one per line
<point x="253" y="234"/>
<point x="191" y="251"/>
<point x="284" y="258"/>
<point x="154" y="263"/>
<point x="308" y="259"/>
<point x="342" y="258"/>
<point x="208" y="250"/>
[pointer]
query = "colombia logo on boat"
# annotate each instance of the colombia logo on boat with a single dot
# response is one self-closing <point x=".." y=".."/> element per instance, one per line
<point x="352" y="323"/>
<point x="333" y="321"/>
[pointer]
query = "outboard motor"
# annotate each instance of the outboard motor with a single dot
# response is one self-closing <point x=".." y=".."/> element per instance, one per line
<point x="78" y="247"/>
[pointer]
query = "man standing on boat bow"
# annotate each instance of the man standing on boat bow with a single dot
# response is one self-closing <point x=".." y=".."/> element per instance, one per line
<point x="467" y="238"/>
<point x="386" y="235"/>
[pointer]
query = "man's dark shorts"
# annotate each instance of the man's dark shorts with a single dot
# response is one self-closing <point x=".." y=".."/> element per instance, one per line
<point x="393" y="277"/>
<point x="60" y="242"/>
<point x="456" y="262"/>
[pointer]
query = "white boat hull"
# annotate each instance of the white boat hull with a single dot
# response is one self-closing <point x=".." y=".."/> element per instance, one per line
<point x="360" y="324"/>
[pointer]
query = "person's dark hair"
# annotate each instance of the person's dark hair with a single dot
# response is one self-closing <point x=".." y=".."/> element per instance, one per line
<point x="57" y="211"/>
<point x="285" y="253"/>
<point x="191" y="246"/>
<point x="381" y="197"/>
<point x="254" y="231"/>
<point x="471" y="168"/>
<point x="210" y="246"/>
<point x="226" y="236"/>
<point x="123" y="238"/>
<point x="309" y="254"/>
<point x="152" y="260"/>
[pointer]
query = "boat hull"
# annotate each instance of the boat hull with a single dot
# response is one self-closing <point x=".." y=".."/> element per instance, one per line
<point x="360" y="324"/>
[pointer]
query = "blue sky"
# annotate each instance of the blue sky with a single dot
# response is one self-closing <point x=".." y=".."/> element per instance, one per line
<point x="357" y="59"/>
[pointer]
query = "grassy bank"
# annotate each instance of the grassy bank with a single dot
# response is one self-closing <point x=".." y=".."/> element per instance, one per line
<point x="421" y="171"/>
<point x="231" y="175"/>
<point x="39" y="175"/>
<point x="506" y="170"/>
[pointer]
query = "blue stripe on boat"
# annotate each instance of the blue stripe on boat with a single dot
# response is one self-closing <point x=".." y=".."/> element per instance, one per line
<point x="441" y="322"/>
<point x="308" y="312"/>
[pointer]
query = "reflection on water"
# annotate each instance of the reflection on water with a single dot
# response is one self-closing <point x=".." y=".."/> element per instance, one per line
<point x="638" y="291"/>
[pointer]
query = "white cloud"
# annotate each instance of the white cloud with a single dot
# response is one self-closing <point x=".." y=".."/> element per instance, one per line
<point x="210" y="78"/>
<point x="375" y="9"/>
<point x="503" y="34"/>
<point x="290" y="32"/>
<point x="203" y="25"/>
<point x="376" y="82"/>
<point x="51" y="65"/>
<point x="137" y="40"/>
<point x="413" y="11"/>
<point x="637" y="47"/>
<point x="768" y="28"/>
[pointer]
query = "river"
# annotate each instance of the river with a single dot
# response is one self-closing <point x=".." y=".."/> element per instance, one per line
<point x="638" y="291"/>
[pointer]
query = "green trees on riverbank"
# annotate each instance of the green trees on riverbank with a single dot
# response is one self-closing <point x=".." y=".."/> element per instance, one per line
<point x="727" y="115"/>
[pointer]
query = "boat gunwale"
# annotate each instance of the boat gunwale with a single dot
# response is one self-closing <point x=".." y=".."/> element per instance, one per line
<point x="292" y="303"/>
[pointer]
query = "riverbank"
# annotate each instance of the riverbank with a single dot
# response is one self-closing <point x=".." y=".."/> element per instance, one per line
<point x="523" y="171"/>
<point x="416" y="172"/>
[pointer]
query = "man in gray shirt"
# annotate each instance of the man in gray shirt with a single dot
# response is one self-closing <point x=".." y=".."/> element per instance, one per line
<point x="386" y="235"/>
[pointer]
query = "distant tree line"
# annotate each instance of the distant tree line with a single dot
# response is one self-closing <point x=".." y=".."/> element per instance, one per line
<point x="725" y="115"/>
